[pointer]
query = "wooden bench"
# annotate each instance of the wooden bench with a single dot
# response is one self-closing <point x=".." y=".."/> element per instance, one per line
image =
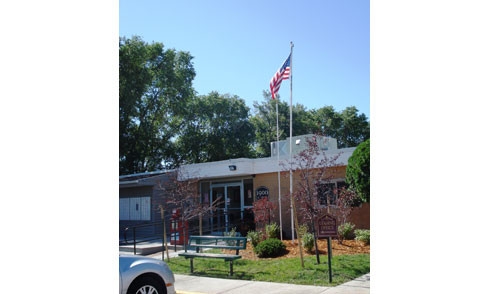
<point x="216" y="242"/>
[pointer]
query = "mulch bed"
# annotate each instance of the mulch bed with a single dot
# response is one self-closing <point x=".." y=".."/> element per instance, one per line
<point x="347" y="247"/>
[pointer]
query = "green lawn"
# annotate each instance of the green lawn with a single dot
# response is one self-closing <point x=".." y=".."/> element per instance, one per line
<point x="289" y="270"/>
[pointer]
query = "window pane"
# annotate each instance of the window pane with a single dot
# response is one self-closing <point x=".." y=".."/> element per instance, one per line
<point x="145" y="207"/>
<point x="124" y="209"/>
<point x="134" y="208"/>
<point x="205" y="191"/>
<point x="326" y="194"/>
<point x="249" y="194"/>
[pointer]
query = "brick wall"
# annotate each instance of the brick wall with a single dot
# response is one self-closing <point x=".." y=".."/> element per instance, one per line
<point x="359" y="216"/>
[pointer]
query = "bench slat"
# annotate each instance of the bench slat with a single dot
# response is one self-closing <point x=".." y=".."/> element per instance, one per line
<point x="210" y="255"/>
<point x="218" y="246"/>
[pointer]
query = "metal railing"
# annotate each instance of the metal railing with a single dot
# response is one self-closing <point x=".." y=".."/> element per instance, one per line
<point x="153" y="232"/>
<point x="143" y="233"/>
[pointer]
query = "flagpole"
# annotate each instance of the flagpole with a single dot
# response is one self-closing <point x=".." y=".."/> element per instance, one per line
<point x="278" y="169"/>
<point x="291" y="140"/>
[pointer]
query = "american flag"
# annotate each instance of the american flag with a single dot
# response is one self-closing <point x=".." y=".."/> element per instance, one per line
<point x="281" y="74"/>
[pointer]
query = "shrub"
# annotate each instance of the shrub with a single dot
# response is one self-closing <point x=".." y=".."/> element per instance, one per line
<point x="271" y="247"/>
<point x="308" y="241"/>
<point x="363" y="236"/>
<point x="255" y="237"/>
<point x="272" y="231"/>
<point x="346" y="232"/>
<point x="302" y="230"/>
<point x="231" y="233"/>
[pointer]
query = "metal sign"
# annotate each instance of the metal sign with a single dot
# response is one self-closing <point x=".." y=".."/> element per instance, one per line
<point x="261" y="192"/>
<point x="326" y="226"/>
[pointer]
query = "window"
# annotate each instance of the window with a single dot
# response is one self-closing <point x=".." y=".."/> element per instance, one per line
<point x="205" y="190"/>
<point x="249" y="193"/>
<point x="341" y="185"/>
<point x="135" y="208"/>
<point x="328" y="192"/>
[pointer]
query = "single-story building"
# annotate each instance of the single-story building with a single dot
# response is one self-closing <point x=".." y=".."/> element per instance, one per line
<point x="238" y="183"/>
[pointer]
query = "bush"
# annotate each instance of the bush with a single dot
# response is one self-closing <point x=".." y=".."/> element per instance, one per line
<point x="231" y="233"/>
<point x="271" y="247"/>
<point x="302" y="230"/>
<point x="272" y="231"/>
<point x="255" y="237"/>
<point x="346" y="232"/>
<point x="308" y="241"/>
<point x="363" y="236"/>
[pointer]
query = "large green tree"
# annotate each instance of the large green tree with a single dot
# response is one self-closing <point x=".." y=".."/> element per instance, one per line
<point x="216" y="127"/>
<point x="348" y="126"/>
<point x="155" y="86"/>
<point x="265" y="122"/>
<point x="357" y="172"/>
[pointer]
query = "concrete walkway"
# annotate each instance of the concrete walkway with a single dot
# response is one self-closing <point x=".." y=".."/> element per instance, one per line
<point x="200" y="285"/>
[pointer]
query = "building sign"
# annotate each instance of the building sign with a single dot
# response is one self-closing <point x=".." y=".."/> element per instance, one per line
<point x="326" y="226"/>
<point x="261" y="192"/>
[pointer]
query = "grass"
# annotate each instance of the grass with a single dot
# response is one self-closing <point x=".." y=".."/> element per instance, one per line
<point x="289" y="270"/>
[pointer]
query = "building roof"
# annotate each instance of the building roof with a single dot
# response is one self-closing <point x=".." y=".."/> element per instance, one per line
<point x="247" y="166"/>
<point x="241" y="167"/>
<point x="143" y="179"/>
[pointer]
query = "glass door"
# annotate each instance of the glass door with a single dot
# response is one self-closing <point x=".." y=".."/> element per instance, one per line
<point x="229" y="206"/>
<point x="218" y="220"/>
<point x="233" y="206"/>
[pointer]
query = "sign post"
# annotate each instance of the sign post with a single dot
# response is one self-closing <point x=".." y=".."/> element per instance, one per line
<point x="327" y="227"/>
<point x="164" y="243"/>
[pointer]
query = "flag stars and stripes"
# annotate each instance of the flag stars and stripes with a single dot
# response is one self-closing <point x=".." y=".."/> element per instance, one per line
<point x="281" y="74"/>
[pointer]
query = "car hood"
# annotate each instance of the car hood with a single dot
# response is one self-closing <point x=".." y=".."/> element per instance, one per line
<point x="128" y="261"/>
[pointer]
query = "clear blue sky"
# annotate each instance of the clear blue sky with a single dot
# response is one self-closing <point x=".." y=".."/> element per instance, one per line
<point x="239" y="45"/>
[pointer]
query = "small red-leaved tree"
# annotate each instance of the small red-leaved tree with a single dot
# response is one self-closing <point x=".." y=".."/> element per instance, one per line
<point x="181" y="192"/>
<point x="263" y="210"/>
<point x="346" y="200"/>
<point x="313" y="168"/>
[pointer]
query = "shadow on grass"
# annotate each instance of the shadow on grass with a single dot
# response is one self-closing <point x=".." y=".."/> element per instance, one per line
<point x="213" y="269"/>
<point x="222" y="274"/>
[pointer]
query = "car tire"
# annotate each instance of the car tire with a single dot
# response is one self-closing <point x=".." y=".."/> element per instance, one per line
<point x="147" y="285"/>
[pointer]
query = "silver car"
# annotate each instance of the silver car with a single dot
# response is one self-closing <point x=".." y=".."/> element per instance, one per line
<point x="144" y="275"/>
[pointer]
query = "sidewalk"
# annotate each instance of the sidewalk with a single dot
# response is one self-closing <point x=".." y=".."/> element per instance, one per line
<point x="196" y="285"/>
<point x="188" y="284"/>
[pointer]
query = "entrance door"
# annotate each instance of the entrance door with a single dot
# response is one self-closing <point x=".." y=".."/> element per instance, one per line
<point x="234" y="206"/>
<point x="218" y="220"/>
<point x="229" y="209"/>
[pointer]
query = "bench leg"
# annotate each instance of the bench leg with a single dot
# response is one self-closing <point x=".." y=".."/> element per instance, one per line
<point x="192" y="264"/>
<point x="231" y="267"/>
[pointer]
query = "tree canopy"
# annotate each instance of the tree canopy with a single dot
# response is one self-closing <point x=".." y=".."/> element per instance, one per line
<point x="348" y="126"/>
<point x="216" y="127"/>
<point x="357" y="172"/>
<point x="163" y="124"/>
<point x="154" y="87"/>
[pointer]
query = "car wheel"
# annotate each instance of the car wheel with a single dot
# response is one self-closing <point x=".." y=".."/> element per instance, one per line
<point x="147" y="285"/>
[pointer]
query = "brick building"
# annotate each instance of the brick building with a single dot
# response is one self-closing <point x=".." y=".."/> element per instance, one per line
<point x="239" y="182"/>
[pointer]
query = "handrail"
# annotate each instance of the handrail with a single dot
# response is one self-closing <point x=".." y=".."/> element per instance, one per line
<point x="138" y="237"/>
